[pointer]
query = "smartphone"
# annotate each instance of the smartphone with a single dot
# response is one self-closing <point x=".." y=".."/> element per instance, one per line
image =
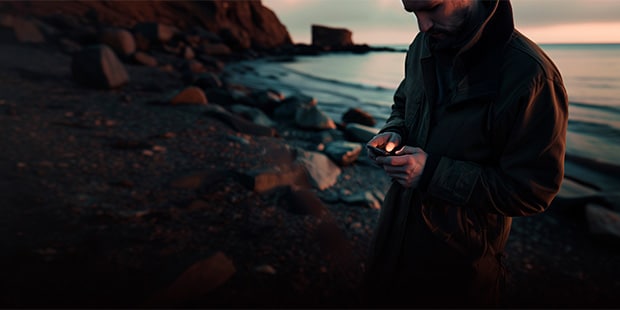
<point x="379" y="152"/>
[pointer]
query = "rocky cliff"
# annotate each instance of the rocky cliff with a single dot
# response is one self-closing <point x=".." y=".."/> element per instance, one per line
<point x="241" y="24"/>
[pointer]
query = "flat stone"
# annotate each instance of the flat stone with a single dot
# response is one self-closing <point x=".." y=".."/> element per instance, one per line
<point x="27" y="31"/>
<point x="313" y="118"/>
<point x="342" y="152"/>
<point x="120" y="40"/>
<point x="366" y="199"/>
<point x="253" y="114"/>
<point x="323" y="172"/>
<point x="603" y="221"/>
<point x="360" y="133"/>
<point x="189" y="95"/>
<point x="264" y="180"/>
<point x="144" y="59"/>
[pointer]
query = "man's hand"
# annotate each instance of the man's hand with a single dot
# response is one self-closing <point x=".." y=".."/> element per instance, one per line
<point x="406" y="166"/>
<point x="386" y="140"/>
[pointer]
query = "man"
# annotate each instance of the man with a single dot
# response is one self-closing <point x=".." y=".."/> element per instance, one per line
<point x="479" y="128"/>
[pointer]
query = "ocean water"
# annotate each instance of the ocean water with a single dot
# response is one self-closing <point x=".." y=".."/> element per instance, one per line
<point x="591" y="75"/>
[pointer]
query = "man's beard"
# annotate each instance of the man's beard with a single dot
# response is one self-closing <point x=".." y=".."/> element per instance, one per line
<point x="441" y="40"/>
<point x="445" y="41"/>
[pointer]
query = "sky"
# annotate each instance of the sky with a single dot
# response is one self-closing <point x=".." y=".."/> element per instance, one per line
<point x="386" y="22"/>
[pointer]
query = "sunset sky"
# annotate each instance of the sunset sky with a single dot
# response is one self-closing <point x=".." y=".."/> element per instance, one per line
<point x="385" y="21"/>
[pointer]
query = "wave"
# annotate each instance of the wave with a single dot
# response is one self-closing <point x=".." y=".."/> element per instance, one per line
<point x="340" y="82"/>
<point x="597" y="165"/>
<point x="596" y="129"/>
<point x="604" y="108"/>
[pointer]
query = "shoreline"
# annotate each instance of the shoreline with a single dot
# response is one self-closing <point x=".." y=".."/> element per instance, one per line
<point x="333" y="99"/>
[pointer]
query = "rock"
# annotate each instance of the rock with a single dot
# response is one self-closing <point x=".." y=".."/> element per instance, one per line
<point x="198" y="280"/>
<point x="219" y="96"/>
<point x="360" y="133"/>
<point x="264" y="180"/>
<point x="188" y="53"/>
<point x="342" y="152"/>
<point x="155" y="32"/>
<point x="26" y="31"/>
<point x="7" y="20"/>
<point x="189" y="95"/>
<point x="193" y="66"/>
<point x="289" y="106"/>
<point x="212" y="63"/>
<point x="331" y="37"/>
<point x="267" y="100"/>
<point x="268" y="269"/>
<point x="207" y="80"/>
<point x="239" y="123"/>
<point x="305" y="202"/>
<point x="358" y="116"/>
<point x="144" y="59"/>
<point x="236" y="38"/>
<point x="69" y="46"/>
<point x="322" y="171"/>
<point x="603" y="221"/>
<point x="215" y="49"/>
<point x="120" y="40"/>
<point x="253" y="114"/>
<point x="316" y="137"/>
<point x="366" y="199"/>
<point x="97" y="66"/>
<point x="313" y="118"/>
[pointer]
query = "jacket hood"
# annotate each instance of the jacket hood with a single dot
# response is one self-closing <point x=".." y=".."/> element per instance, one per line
<point x="493" y="33"/>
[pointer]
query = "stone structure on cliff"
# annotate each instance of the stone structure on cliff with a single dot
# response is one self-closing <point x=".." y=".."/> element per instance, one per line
<point x="328" y="37"/>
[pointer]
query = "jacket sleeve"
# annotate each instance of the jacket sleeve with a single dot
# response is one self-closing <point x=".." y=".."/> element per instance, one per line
<point x="396" y="121"/>
<point x="529" y="171"/>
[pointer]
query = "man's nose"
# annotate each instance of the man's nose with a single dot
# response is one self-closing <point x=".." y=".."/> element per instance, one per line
<point x="424" y="23"/>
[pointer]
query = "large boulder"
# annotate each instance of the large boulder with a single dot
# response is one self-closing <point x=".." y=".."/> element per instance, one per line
<point x="26" y="31"/>
<point x="329" y="37"/>
<point x="120" y="40"/>
<point x="342" y="152"/>
<point x="188" y="95"/>
<point x="359" y="116"/>
<point x="322" y="171"/>
<point x="155" y="32"/>
<point x="313" y="118"/>
<point x="360" y="133"/>
<point x="97" y="66"/>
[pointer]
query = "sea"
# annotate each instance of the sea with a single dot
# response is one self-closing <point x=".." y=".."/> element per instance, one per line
<point x="591" y="74"/>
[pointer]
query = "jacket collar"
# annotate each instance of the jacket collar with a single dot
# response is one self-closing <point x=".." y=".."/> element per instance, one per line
<point x="495" y="31"/>
<point x="477" y="63"/>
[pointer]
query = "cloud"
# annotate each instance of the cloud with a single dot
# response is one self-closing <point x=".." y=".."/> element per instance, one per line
<point x="552" y="12"/>
<point x="367" y="18"/>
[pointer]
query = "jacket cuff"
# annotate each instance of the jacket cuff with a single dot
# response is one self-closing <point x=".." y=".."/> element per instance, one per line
<point x="395" y="130"/>
<point x="432" y="161"/>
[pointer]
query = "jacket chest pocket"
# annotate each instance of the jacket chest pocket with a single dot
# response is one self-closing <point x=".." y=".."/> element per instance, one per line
<point x="463" y="131"/>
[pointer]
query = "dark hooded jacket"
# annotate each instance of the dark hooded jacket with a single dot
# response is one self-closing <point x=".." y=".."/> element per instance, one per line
<point x="495" y="145"/>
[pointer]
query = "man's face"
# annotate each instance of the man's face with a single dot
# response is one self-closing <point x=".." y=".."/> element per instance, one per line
<point x="443" y="20"/>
